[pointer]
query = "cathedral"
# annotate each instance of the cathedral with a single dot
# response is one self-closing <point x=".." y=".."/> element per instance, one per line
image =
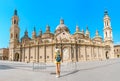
<point x="73" y="47"/>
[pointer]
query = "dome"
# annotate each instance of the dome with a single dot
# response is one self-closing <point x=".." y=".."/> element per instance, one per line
<point x="25" y="37"/>
<point x="61" y="27"/>
<point x="97" y="38"/>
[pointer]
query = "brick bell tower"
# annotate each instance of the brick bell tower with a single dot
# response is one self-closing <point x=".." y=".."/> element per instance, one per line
<point x="108" y="37"/>
<point x="14" y="35"/>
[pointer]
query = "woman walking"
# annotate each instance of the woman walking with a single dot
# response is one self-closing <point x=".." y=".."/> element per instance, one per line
<point x="57" y="57"/>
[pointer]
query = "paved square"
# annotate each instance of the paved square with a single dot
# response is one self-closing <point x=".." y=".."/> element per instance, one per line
<point x="107" y="70"/>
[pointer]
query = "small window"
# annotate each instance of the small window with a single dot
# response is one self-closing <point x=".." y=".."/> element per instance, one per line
<point x="40" y="57"/>
<point x="47" y="56"/>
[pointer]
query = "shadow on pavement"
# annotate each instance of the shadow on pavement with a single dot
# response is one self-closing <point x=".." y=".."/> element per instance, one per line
<point x="5" y="67"/>
<point x="75" y="71"/>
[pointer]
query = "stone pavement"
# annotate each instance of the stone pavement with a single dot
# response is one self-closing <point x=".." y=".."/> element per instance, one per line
<point x="106" y="70"/>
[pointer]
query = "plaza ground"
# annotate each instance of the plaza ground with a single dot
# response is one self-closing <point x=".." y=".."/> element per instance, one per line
<point x="106" y="70"/>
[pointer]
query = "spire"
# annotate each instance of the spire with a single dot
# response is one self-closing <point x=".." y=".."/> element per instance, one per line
<point x="97" y="33"/>
<point x="40" y="33"/>
<point x="34" y="33"/>
<point x="77" y="28"/>
<point x="61" y="21"/>
<point x="87" y="31"/>
<point x="82" y="31"/>
<point x="34" y="29"/>
<point x="26" y="32"/>
<point x="87" y="27"/>
<point x="105" y="12"/>
<point x="47" y="29"/>
<point x="15" y="12"/>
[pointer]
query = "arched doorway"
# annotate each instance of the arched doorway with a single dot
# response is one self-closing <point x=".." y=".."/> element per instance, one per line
<point x="65" y="54"/>
<point x="118" y="56"/>
<point x="16" y="57"/>
<point x="106" y="55"/>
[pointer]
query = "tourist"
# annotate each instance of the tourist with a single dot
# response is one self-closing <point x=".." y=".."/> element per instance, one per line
<point x="57" y="57"/>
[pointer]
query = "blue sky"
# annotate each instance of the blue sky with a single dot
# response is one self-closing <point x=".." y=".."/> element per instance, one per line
<point x="39" y="13"/>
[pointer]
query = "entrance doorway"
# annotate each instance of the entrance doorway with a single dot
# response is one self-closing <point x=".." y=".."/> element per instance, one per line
<point x="118" y="56"/>
<point x="106" y="54"/>
<point x="16" y="57"/>
<point x="65" y="54"/>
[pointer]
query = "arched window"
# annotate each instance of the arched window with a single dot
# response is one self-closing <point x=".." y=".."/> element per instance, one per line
<point x="110" y="34"/>
<point x="107" y="23"/>
<point x="14" y="21"/>
<point x="16" y="36"/>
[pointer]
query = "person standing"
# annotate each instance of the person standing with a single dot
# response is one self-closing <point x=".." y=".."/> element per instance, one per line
<point x="57" y="57"/>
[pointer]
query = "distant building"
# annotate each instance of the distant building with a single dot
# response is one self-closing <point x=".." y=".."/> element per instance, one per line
<point x="4" y="53"/>
<point x="117" y="50"/>
<point x="74" y="47"/>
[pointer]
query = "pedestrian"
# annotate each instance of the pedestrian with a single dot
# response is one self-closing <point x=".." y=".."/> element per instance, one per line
<point x="57" y="57"/>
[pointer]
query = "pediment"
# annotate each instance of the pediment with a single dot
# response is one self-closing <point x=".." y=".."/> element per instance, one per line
<point x="64" y="36"/>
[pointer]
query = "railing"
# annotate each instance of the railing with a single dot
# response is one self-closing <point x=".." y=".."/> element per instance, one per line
<point x="39" y="66"/>
<point x="50" y="67"/>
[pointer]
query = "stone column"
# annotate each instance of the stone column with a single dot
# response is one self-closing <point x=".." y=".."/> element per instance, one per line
<point x="35" y="59"/>
<point x="37" y="53"/>
<point x="29" y="54"/>
<point x="85" y="53"/>
<point x="52" y="54"/>
<point x="44" y="52"/>
<point x="23" y="56"/>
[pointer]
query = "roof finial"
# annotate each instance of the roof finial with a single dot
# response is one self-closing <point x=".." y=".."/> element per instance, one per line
<point x="61" y="21"/>
<point x="105" y="12"/>
<point x="34" y="29"/>
<point x="47" y="28"/>
<point x="97" y="33"/>
<point x="77" y="28"/>
<point x="26" y="33"/>
<point x="15" y="12"/>
<point x="87" y="27"/>
<point x="87" y="31"/>
<point x="40" y="32"/>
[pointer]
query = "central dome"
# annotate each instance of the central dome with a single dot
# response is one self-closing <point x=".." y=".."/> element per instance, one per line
<point x="61" y="27"/>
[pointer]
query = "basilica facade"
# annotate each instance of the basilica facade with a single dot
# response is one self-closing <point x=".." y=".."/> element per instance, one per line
<point x="73" y="47"/>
